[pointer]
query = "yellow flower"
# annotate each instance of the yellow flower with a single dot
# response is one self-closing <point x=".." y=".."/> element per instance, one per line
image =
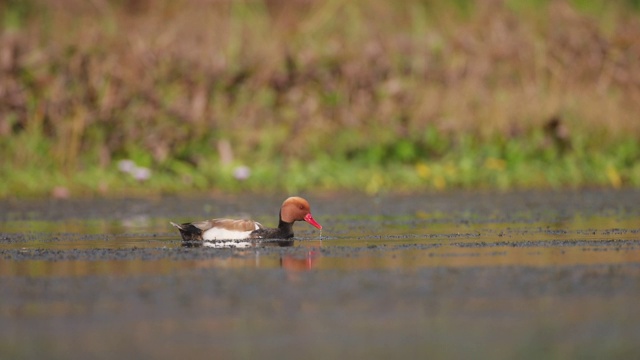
<point x="495" y="164"/>
<point x="614" y="176"/>
<point x="423" y="170"/>
<point x="375" y="184"/>
<point x="439" y="182"/>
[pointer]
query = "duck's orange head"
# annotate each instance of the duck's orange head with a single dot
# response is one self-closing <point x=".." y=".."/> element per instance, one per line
<point x="297" y="209"/>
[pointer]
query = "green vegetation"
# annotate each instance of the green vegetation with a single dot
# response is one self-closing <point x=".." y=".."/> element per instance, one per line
<point x="317" y="94"/>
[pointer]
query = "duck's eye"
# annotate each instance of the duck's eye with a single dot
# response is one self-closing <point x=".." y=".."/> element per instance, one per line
<point x="301" y="207"/>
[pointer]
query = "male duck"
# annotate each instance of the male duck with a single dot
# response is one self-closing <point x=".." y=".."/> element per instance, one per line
<point x="293" y="209"/>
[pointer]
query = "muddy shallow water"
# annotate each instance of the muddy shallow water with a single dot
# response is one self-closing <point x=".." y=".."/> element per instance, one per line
<point x="458" y="275"/>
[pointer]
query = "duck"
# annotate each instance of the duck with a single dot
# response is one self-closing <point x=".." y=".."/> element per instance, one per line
<point x="293" y="209"/>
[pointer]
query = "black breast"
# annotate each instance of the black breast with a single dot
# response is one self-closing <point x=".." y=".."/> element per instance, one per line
<point x="283" y="231"/>
<point x="190" y="232"/>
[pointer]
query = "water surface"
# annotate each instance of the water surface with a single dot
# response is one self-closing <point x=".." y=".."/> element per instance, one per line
<point x="526" y="275"/>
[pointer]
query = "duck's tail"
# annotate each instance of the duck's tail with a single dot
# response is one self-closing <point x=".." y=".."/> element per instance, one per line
<point x="188" y="231"/>
<point x="177" y="225"/>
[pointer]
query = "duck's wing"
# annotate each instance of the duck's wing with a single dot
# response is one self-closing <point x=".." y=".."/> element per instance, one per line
<point x="217" y="229"/>
<point x="225" y="229"/>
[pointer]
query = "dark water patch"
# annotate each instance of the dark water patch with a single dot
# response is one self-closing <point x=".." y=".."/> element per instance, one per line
<point x="463" y="206"/>
<point x="603" y="280"/>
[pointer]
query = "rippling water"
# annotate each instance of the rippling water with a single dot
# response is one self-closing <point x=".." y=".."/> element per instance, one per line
<point x="519" y="275"/>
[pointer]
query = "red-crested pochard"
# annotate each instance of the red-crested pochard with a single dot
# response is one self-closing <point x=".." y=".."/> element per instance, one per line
<point x="293" y="209"/>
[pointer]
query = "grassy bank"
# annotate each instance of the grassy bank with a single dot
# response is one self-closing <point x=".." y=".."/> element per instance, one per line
<point x="323" y="94"/>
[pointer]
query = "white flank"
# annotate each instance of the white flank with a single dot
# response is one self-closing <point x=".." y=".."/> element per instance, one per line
<point x="224" y="234"/>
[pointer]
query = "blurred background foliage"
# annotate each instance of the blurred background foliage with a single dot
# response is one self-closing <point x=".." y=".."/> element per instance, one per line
<point x="291" y="95"/>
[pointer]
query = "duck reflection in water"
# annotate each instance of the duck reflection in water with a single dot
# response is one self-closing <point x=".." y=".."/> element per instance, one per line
<point x="293" y="262"/>
<point x="239" y="244"/>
